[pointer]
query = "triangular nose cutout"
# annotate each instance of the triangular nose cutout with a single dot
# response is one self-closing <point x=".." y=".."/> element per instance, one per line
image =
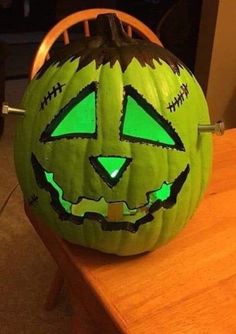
<point x="110" y="168"/>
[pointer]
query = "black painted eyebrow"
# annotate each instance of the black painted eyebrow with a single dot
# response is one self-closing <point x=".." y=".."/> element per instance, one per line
<point x="56" y="89"/>
<point x="179" y="98"/>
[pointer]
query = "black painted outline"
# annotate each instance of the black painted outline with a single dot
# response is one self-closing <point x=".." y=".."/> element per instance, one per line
<point x="46" y="135"/>
<point x="98" y="218"/>
<point x="179" y="98"/>
<point x="151" y="111"/>
<point x="110" y="181"/>
<point x="51" y="94"/>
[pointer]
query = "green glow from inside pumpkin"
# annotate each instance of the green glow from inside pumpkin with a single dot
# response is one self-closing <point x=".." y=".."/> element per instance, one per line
<point x="112" y="165"/>
<point x="101" y="206"/>
<point x="66" y="204"/>
<point x="161" y="194"/>
<point x="80" y="119"/>
<point x="139" y="124"/>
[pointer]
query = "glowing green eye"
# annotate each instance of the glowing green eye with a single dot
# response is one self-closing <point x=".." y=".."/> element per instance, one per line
<point x="142" y="123"/>
<point x="76" y="119"/>
<point x="138" y="123"/>
<point x="80" y="119"/>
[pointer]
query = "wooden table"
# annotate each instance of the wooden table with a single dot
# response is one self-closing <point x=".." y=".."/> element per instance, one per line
<point x="186" y="286"/>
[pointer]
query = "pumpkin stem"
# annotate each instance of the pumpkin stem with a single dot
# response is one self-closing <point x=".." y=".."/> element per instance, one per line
<point x="111" y="29"/>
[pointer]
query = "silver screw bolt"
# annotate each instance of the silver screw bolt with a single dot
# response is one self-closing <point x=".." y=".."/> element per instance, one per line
<point x="9" y="110"/>
<point x="217" y="128"/>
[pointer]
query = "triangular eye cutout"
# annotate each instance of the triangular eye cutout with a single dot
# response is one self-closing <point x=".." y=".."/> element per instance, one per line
<point x="142" y="123"/>
<point x="76" y="119"/>
<point x="110" y="168"/>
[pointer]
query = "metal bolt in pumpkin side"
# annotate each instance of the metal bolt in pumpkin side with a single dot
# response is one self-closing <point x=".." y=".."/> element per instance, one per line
<point x="109" y="143"/>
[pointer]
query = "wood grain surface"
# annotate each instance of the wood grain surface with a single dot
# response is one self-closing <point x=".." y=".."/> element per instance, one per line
<point x="186" y="286"/>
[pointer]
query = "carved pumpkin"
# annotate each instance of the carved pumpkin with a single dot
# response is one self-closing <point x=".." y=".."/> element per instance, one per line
<point x="108" y="153"/>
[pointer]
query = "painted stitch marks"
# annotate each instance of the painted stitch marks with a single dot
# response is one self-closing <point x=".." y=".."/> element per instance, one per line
<point x="56" y="89"/>
<point x="179" y="99"/>
<point x="33" y="200"/>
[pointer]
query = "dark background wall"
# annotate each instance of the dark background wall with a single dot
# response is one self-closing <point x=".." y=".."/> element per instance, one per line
<point x="175" y="21"/>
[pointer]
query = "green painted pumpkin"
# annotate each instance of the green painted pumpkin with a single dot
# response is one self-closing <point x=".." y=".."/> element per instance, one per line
<point x="108" y="153"/>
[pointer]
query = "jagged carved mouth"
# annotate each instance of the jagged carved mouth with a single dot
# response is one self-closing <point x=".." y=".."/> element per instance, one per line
<point x="97" y="210"/>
